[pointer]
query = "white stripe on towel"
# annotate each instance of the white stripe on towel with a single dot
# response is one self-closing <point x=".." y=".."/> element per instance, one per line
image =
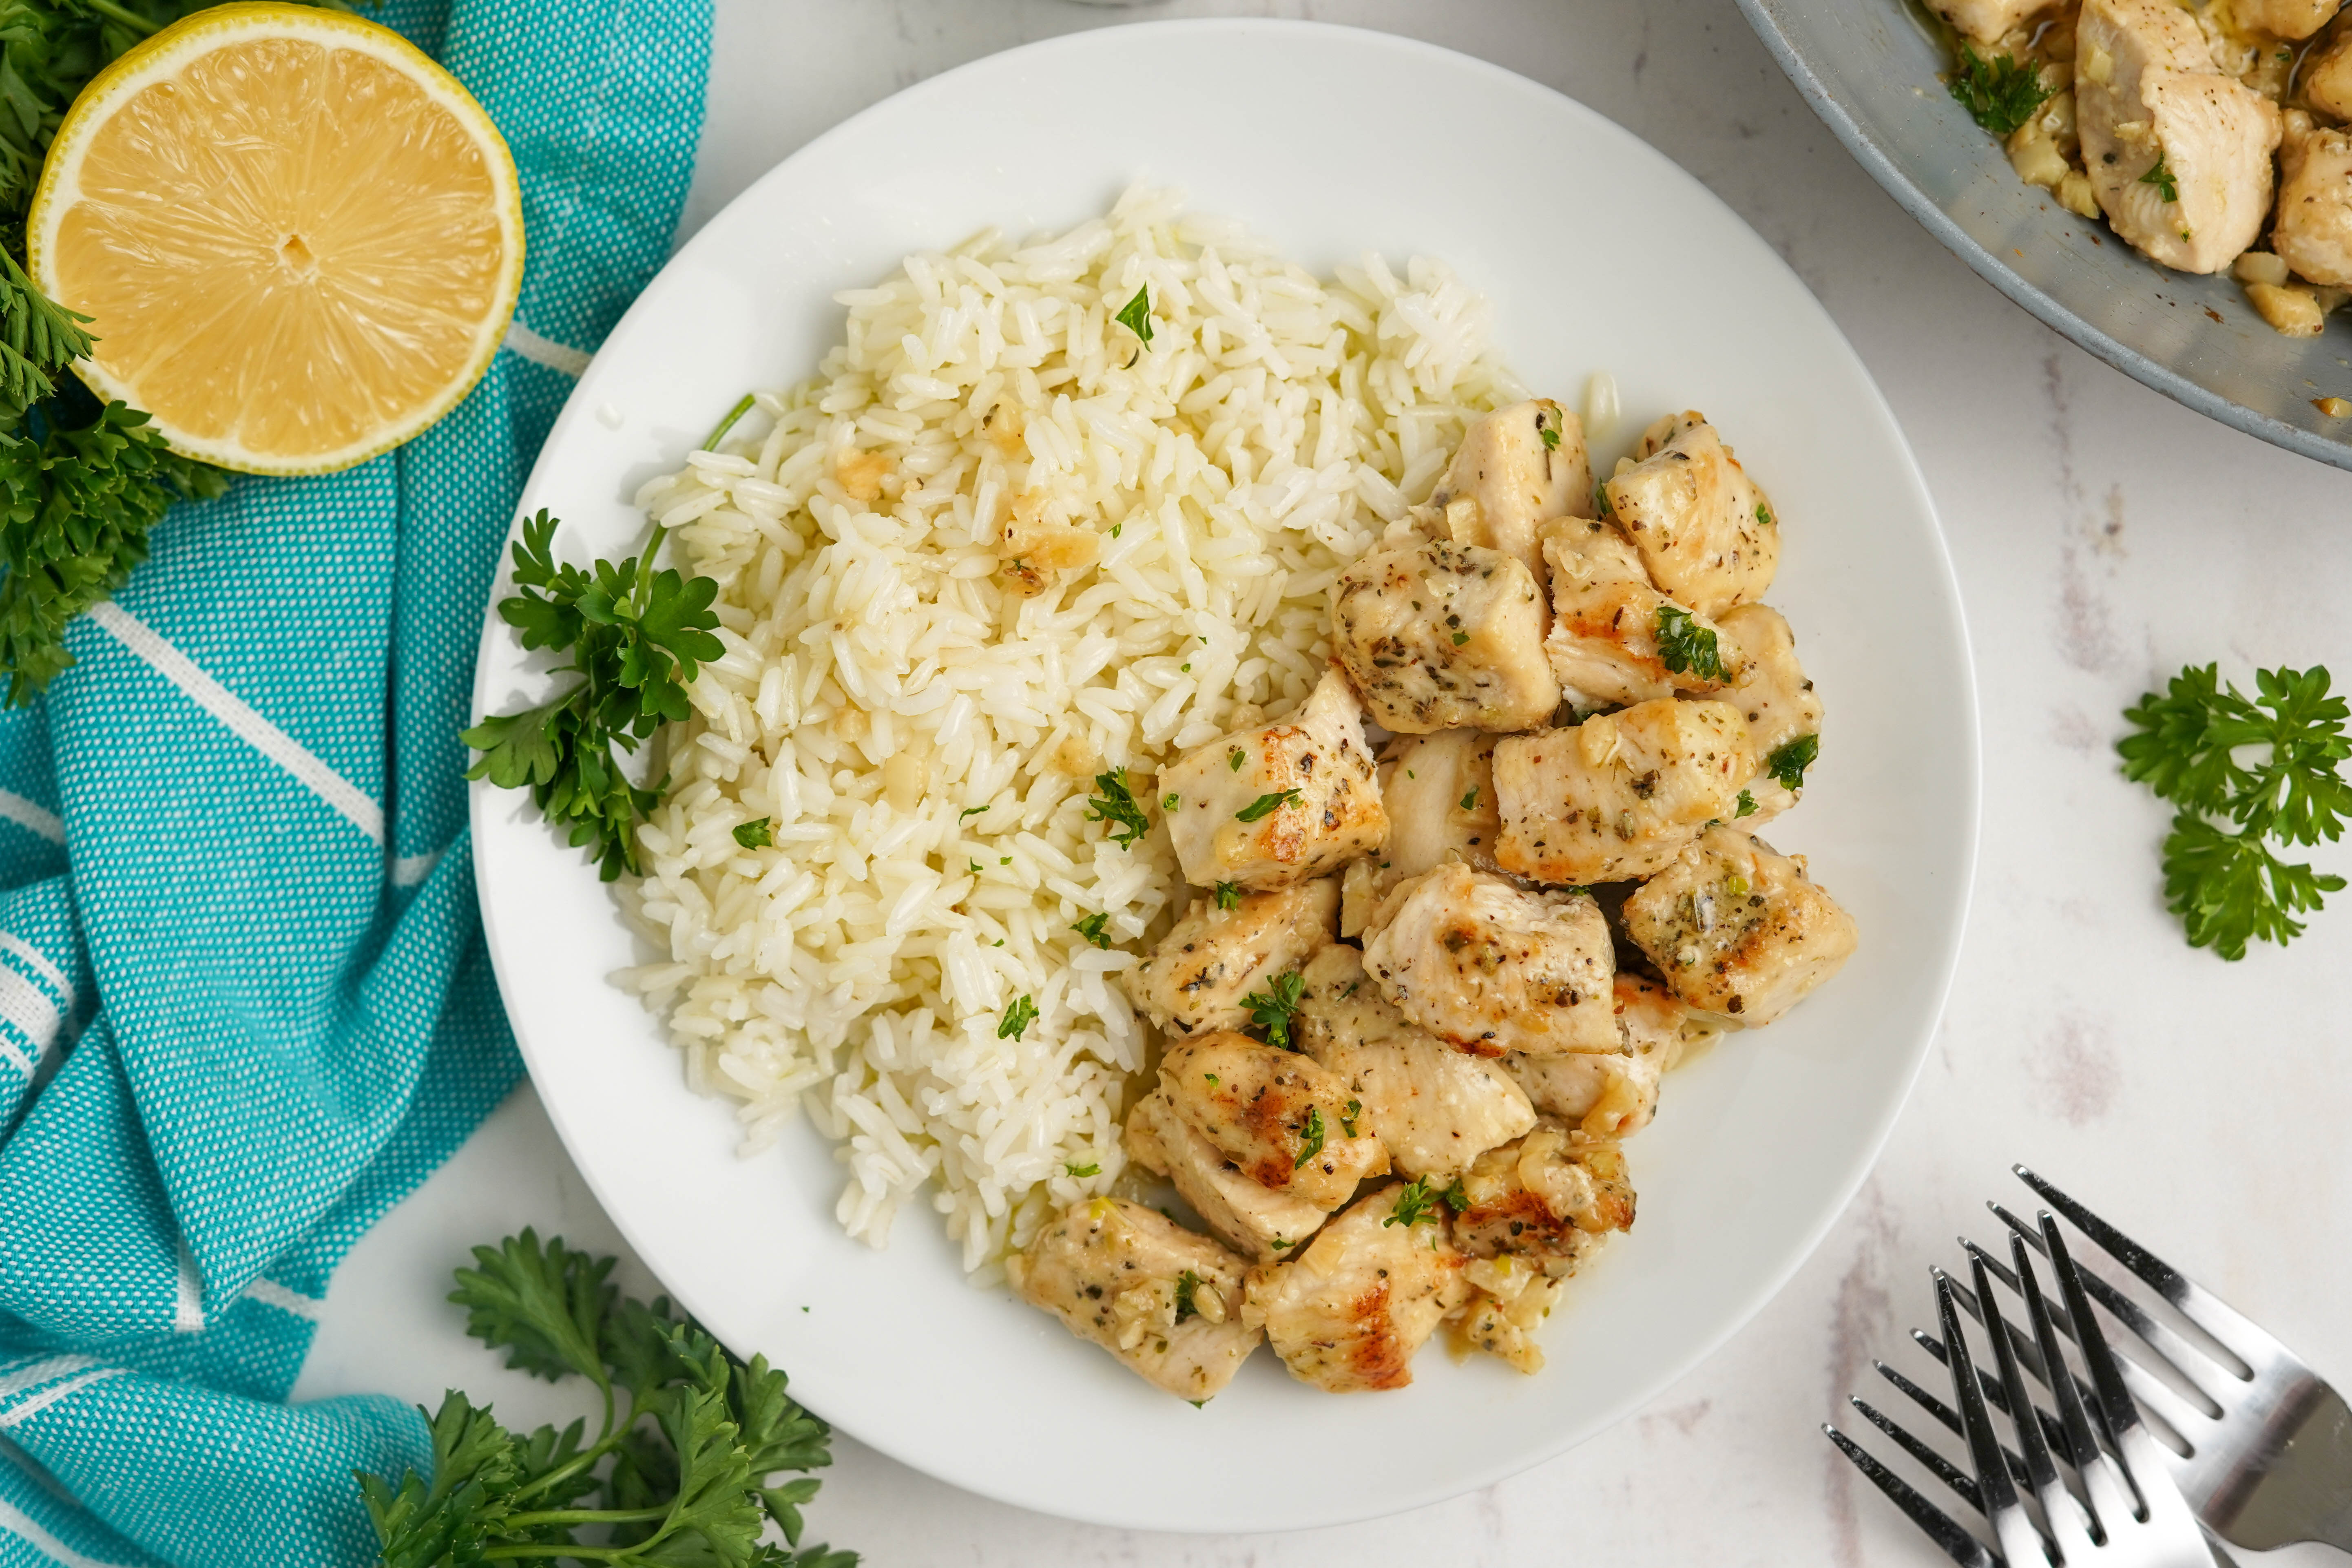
<point x="239" y="716"/>
<point x="546" y="350"/>
<point x="22" y="1526"/>
<point x="32" y="1013"/>
<point x="271" y="1293"/>
<point x="188" y="1295"/>
<point x="13" y="943"/>
<point x="410" y="870"/>
<point x="31" y="816"/>
<point x="33" y="1373"/>
<point x="25" y="1410"/>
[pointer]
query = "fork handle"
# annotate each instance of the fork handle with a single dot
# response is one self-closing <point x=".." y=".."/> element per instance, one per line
<point x="2301" y="1490"/>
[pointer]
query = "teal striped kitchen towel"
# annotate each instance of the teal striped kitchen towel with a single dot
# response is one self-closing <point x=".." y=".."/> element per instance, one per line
<point x="244" y="1003"/>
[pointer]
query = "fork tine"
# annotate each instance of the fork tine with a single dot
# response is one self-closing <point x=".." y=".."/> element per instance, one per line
<point x="1943" y="1413"/>
<point x="2200" y="1306"/>
<point x="2069" y="1399"/>
<point x="2174" y="1411"/>
<point x="1958" y="1545"/>
<point x="1951" y="1474"/>
<point x="2042" y="1473"/>
<point x="2177" y="1352"/>
<point x="2010" y="1527"/>
<point x="2117" y="1415"/>
<point x="1997" y="1398"/>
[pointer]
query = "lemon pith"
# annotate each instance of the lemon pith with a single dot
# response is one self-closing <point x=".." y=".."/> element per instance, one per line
<point x="299" y="240"/>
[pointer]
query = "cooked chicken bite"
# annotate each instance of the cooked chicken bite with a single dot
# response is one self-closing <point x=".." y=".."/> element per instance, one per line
<point x="1614" y="1094"/>
<point x="1520" y="466"/>
<point x="1440" y="794"/>
<point x="1616" y="640"/>
<point x="1986" y="20"/>
<point x="1371" y="1286"/>
<point x="1708" y="536"/>
<point x="1258" y="1222"/>
<point x="1549" y="1197"/>
<point x="1167" y="1303"/>
<point x="2312" y="232"/>
<point x="2146" y="91"/>
<point x="1282" y="1119"/>
<point x="2285" y="18"/>
<point x="1484" y="965"/>
<point x="2326" y="74"/>
<point x="1267" y="807"/>
<point x="1620" y="794"/>
<point x="1738" y="929"/>
<point x="1432" y="1108"/>
<point x="1445" y="636"/>
<point x="1774" y="697"/>
<point x="1195" y="979"/>
<point x="1508" y="1301"/>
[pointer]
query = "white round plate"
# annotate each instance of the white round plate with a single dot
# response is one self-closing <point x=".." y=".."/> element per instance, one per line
<point x="1599" y="254"/>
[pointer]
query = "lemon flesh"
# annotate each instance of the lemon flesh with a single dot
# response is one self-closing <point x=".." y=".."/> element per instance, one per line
<point x="298" y="239"/>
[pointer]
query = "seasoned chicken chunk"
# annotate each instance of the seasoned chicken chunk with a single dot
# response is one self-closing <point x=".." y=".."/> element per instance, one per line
<point x="1986" y="20"/>
<point x="1280" y="1117"/>
<point x="1259" y="1222"/>
<point x="1708" y="536"/>
<point x="1616" y="640"/>
<point x="2312" y="232"/>
<point x="1774" y="697"/>
<point x="1195" y="979"/>
<point x="1432" y="1108"/>
<point x="1519" y="466"/>
<point x="1351" y="1311"/>
<point x="1440" y="794"/>
<point x="1445" y="636"/>
<point x="2326" y="74"/>
<point x="1619" y="796"/>
<point x="1167" y="1303"/>
<point x="1549" y="1198"/>
<point x="1738" y="929"/>
<point x="1267" y="807"/>
<point x="1484" y="965"/>
<point x="2144" y="92"/>
<point x="1508" y="1301"/>
<point x="2285" y="18"/>
<point x="1614" y="1094"/>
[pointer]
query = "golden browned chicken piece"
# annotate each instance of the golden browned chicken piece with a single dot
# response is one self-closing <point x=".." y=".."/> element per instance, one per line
<point x="1260" y="1223"/>
<point x="1549" y="1198"/>
<point x="1614" y="639"/>
<point x="1707" y="535"/>
<point x="1738" y="929"/>
<point x="2326" y="74"/>
<point x="1614" y="1094"/>
<point x="1280" y="1117"/>
<point x="1620" y="794"/>
<point x="1439" y="790"/>
<point x="1776" y="700"/>
<point x="2285" y="18"/>
<point x="1445" y="636"/>
<point x="1433" y="1108"/>
<point x="1517" y="467"/>
<point x="1166" y="1303"/>
<point x="1348" y="1313"/>
<point x="1195" y="979"/>
<point x="1267" y="807"/>
<point x="2313" y="231"/>
<point x="1484" y="966"/>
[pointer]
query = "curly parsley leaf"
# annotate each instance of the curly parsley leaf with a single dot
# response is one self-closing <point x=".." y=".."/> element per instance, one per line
<point x="1999" y="93"/>
<point x="1747" y="804"/>
<point x="1414" y="1204"/>
<point x="1188" y="1286"/>
<point x="1788" y="763"/>
<point x="1685" y="647"/>
<point x="757" y="834"/>
<point x="1136" y="315"/>
<point x="1229" y="895"/>
<point x="1018" y="1015"/>
<point x="1272" y="1008"/>
<point x="1266" y="805"/>
<point x="1114" y="803"/>
<point x="1091" y="929"/>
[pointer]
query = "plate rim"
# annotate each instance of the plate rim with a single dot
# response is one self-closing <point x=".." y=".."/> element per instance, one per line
<point x="1966" y="845"/>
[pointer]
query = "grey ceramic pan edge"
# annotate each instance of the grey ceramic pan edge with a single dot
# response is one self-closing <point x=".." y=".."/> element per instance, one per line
<point x="1869" y="68"/>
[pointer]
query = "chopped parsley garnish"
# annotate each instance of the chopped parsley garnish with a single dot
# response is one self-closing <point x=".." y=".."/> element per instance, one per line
<point x="1686" y="648"/>
<point x="2193" y="749"/>
<point x="1091" y="928"/>
<point x="972" y="866"/>
<point x="971" y="811"/>
<point x="1137" y="316"/>
<point x="1747" y="804"/>
<point x="1601" y="497"/>
<point x="1348" y="1119"/>
<point x="1787" y="764"/>
<point x="1235" y="760"/>
<point x="1280" y="1244"/>
<point x="1414" y="1203"/>
<point x="1999" y="93"/>
<point x="1311" y="1137"/>
<point x="1187" y="1285"/>
<point x="1114" y="803"/>
<point x="1229" y="895"/>
<point x="1271" y="1008"/>
<point x="1470" y="802"/>
<point x="1736" y="885"/>
<point x="1018" y="1017"/>
<point x="1088" y="1169"/>
<point x="756" y="834"/>
<point x="1764" y="514"/>
<point x="1461" y="637"/>
<point x="1266" y="805"/>
<point x="1171" y="801"/>
<point x="2161" y="178"/>
<point x="1457" y="1197"/>
<point x="1550" y="432"/>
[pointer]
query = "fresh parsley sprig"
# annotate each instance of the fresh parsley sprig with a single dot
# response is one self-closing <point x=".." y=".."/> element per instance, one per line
<point x="2271" y="768"/>
<point x="679" y="1471"/>
<point x="1999" y="93"/>
<point x="1685" y="647"/>
<point x="637" y="637"/>
<point x="1114" y="803"/>
<point x="1272" y="1008"/>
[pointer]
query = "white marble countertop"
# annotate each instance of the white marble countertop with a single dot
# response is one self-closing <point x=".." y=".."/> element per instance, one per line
<point x="2104" y="536"/>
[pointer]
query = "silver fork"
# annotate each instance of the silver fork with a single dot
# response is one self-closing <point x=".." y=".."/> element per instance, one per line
<point x="2129" y="1515"/>
<point x="2270" y="1462"/>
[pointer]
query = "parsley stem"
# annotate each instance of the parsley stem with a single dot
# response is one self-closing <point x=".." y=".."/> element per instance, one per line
<point x="645" y="567"/>
<point x="710" y="442"/>
<point x="140" y="25"/>
<point x="576" y="1516"/>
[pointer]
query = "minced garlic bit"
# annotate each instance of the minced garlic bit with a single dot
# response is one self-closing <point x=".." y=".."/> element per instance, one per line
<point x="2334" y="407"/>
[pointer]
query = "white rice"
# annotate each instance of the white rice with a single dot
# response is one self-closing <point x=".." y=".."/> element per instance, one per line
<point x="924" y="740"/>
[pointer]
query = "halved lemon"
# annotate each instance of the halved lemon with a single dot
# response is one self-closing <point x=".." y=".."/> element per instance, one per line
<point x="298" y="239"/>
